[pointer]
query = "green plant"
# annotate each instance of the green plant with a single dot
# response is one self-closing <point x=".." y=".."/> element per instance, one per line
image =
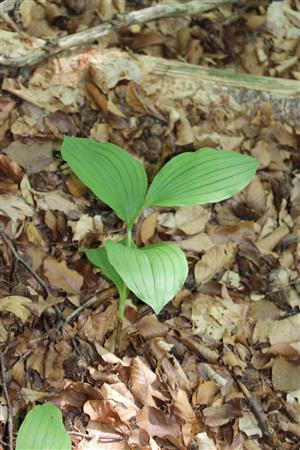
<point x="43" y="429"/>
<point x="154" y="273"/>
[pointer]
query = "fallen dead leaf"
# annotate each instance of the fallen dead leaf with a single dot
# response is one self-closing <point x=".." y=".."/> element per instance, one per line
<point x="157" y="423"/>
<point x="61" y="276"/>
<point x="214" y="260"/>
<point x="16" y="305"/>
<point x="285" y="375"/>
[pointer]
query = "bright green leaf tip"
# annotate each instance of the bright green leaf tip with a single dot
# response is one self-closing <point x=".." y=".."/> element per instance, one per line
<point x="43" y="429"/>
<point x="113" y="174"/>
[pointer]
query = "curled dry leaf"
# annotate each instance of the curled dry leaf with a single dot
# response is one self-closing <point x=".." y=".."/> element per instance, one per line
<point x="213" y="261"/>
<point x="15" y="207"/>
<point x="96" y="326"/>
<point x="205" y="393"/>
<point x="60" y="276"/>
<point x="85" y="225"/>
<point x="215" y="416"/>
<point x="148" y="227"/>
<point x="10" y="171"/>
<point x="255" y="195"/>
<point x="268" y="243"/>
<point x="212" y="317"/>
<point x="16" y="305"/>
<point x="144" y="383"/>
<point x="120" y="399"/>
<point x="284" y="336"/>
<point x="248" y="424"/>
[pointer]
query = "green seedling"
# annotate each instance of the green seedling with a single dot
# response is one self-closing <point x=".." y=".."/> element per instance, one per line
<point x="154" y="273"/>
<point x="43" y="429"/>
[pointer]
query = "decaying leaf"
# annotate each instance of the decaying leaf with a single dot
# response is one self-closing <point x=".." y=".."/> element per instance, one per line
<point x="16" y="305"/>
<point x="59" y="275"/>
<point x="214" y="260"/>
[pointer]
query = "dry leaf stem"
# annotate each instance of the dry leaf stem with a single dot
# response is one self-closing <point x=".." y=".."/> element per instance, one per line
<point x="8" y="404"/>
<point x="119" y="22"/>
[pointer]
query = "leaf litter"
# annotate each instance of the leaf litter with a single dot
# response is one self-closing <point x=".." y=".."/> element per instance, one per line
<point x="219" y="367"/>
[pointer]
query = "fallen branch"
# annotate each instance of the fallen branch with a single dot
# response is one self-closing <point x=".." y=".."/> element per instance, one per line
<point x="110" y="292"/>
<point x="176" y="77"/>
<point x="121" y="21"/>
<point x="19" y="259"/>
<point x="8" y="404"/>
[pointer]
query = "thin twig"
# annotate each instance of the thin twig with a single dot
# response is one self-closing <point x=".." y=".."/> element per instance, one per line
<point x="88" y="436"/>
<point x="8" y="404"/>
<point x="19" y="259"/>
<point x="110" y="292"/>
<point x="119" y="22"/>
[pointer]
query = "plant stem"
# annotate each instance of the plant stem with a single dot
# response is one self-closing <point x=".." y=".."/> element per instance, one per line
<point x="129" y="236"/>
<point x="121" y="308"/>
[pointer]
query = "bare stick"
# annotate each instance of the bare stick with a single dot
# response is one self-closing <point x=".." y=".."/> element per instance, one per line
<point x="19" y="259"/>
<point x="8" y="404"/>
<point x="121" y="21"/>
<point x="110" y="292"/>
<point x="88" y="436"/>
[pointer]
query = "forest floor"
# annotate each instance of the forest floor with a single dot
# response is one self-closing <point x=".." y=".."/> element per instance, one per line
<point x="218" y="368"/>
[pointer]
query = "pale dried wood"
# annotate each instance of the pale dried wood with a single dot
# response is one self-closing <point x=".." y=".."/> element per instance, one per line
<point x="121" y="21"/>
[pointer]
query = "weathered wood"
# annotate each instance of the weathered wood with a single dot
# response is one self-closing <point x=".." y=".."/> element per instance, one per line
<point x="176" y="77"/>
<point x="83" y="38"/>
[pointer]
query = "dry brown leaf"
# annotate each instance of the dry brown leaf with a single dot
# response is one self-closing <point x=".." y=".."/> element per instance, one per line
<point x="214" y="260"/>
<point x="248" y="424"/>
<point x="169" y="369"/>
<point x="31" y="395"/>
<point x="268" y="243"/>
<point x="157" y="423"/>
<point x="199" y="243"/>
<point x="34" y="235"/>
<point x="213" y="317"/>
<point x="215" y="416"/>
<point x="61" y="276"/>
<point x="204" y="442"/>
<point x="144" y="383"/>
<point x="86" y="225"/>
<point x="148" y="227"/>
<point x="96" y="326"/>
<point x="10" y="171"/>
<point x="34" y="156"/>
<point x="285" y="375"/>
<point x="16" y="305"/>
<point x="56" y="201"/>
<point x="120" y="399"/>
<point x="150" y="327"/>
<point x="205" y="393"/>
<point x="255" y="195"/>
<point x="15" y="207"/>
<point x="284" y="336"/>
<point x="192" y="220"/>
<point x="184" y="130"/>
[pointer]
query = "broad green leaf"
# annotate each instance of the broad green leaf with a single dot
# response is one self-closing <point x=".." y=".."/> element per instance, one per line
<point x="98" y="257"/>
<point x="114" y="176"/>
<point x="154" y="273"/>
<point x="43" y="429"/>
<point x="204" y="176"/>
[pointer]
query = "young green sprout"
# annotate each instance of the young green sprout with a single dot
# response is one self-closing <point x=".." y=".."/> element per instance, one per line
<point x="154" y="273"/>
